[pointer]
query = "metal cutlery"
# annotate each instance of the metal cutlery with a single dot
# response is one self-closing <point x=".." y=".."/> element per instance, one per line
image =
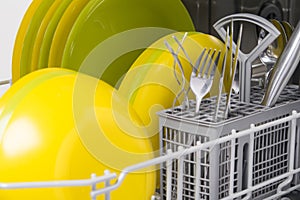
<point x="202" y="77"/>
<point x="283" y="69"/>
<point x="289" y="31"/>
<point x="183" y="81"/>
<point x="273" y="52"/>
<point x="267" y="58"/>
<point x="221" y="81"/>
<point x="233" y="67"/>
<point x="203" y="74"/>
<point x="246" y="59"/>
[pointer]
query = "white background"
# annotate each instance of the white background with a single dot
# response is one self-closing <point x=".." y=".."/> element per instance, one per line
<point x="11" y="14"/>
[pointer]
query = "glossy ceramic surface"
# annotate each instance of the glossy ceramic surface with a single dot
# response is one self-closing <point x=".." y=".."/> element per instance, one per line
<point x="49" y="34"/>
<point x="62" y="31"/>
<point x="26" y="36"/>
<point x="101" y="19"/>
<point x="36" y="51"/>
<point x="44" y="136"/>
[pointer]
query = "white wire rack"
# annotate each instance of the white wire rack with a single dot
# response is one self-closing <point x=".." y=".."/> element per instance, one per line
<point x="5" y="82"/>
<point x="179" y="156"/>
<point x="285" y="182"/>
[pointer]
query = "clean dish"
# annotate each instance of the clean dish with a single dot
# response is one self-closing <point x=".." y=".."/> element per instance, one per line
<point x="150" y="84"/>
<point x="38" y="143"/>
<point x="288" y="29"/>
<point x="101" y="19"/>
<point x="26" y="36"/>
<point x="281" y="40"/>
<point x="21" y="37"/>
<point x="62" y="32"/>
<point x="49" y="33"/>
<point x="34" y="60"/>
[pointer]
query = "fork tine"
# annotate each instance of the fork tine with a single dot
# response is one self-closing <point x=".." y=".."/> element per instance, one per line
<point x="182" y="74"/>
<point x="203" y="63"/>
<point x="221" y="81"/>
<point x="209" y="62"/>
<point x="175" y="56"/>
<point x="215" y="65"/>
<point x="226" y="52"/>
<point x="197" y="64"/>
<point x="183" y="50"/>
<point x="227" y="108"/>
<point x="231" y="47"/>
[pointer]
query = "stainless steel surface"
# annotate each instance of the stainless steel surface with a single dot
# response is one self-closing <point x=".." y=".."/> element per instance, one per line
<point x="246" y="59"/>
<point x="283" y="69"/>
<point x="294" y="15"/>
<point x="273" y="52"/>
<point x="203" y="74"/>
<point x="181" y="81"/>
<point x="206" y="12"/>
<point x="183" y="90"/>
<point x="233" y="69"/>
<point x="289" y="30"/>
<point x="221" y="81"/>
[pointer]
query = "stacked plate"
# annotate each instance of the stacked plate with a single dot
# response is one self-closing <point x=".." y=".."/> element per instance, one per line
<point x="68" y="121"/>
<point x="62" y="33"/>
<point x="61" y="124"/>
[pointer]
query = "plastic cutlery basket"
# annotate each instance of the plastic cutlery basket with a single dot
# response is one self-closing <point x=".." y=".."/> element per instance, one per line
<point x="206" y="175"/>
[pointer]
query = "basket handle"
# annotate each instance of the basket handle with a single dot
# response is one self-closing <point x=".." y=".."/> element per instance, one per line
<point x="246" y="60"/>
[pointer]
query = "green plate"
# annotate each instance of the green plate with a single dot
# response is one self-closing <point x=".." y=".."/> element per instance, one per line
<point x="26" y="47"/>
<point x="102" y="19"/>
<point x="41" y="33"/>
<point x="63" y="30"/>
<point x="48" y="36"/>
<point x="20" y="38"/>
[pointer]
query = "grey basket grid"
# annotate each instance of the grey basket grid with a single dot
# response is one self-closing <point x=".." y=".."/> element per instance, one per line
<point x="270" y="145"/>
<point x="292" y="176"/>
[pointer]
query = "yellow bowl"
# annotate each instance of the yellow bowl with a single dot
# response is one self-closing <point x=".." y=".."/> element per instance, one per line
<point x="150" y="84"/>
<point x="63" y="125"/>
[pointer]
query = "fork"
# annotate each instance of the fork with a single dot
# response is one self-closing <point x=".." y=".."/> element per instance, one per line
<point x="182" y="82"/>
<point x="221" y="81"/>
<point x="200" y="82"/>
<point x="233" y="70"/>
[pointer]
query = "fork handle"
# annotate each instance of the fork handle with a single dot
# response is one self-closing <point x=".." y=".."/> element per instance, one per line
<point x="198" y="102"/>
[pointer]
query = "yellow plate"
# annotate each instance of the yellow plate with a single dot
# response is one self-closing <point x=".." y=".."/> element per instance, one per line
<point x="288" y="29"/>
<point x="50" y="134"/>
<point x="62" y="32"/>
<point x="281" y="40"/>
<point x="26" y="36"/>
<point x="49" y="33"/>
<point x="150" y="84"/>
<point x="40" y="35"/>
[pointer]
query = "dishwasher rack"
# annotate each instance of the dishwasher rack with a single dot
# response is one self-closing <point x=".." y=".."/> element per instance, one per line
<point x="174" y="158"/>
<point x="5" y="82"/>
<point x="230" y="167"/>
